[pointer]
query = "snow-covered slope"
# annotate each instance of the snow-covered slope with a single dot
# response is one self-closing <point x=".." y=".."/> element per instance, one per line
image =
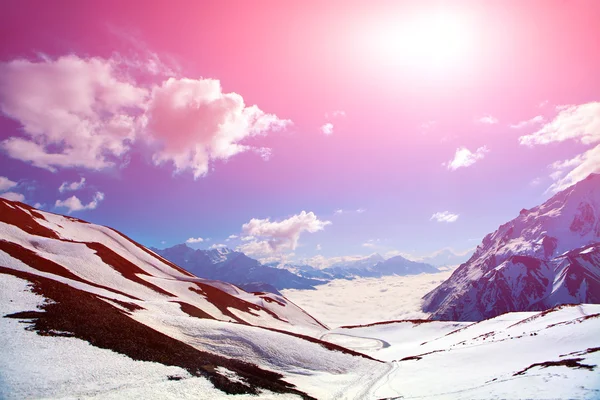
<point x="234" y="267"/>
<point x="548" y="355"/>
<point x="548" y="255"/>
<point x="77" y="284"/>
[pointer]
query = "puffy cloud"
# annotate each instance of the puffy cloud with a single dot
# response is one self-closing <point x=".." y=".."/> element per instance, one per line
<point x="569" y="172"/>
<point x="218" y="246"/>
<point x="528" y="122"/>
<point x="86" y="112"/>
<point x="327" y="128"/>
<point x="66" y="186"/>
<point x="578" y="122"/>
<point x="74" y="111"/>
<point x="196" y="123"/>
<point x="488" y="120"/>
<point x="6" y="184"/>
<point x="195" y="240"/>
<point x="444" y="216"/>
<point x="465" y="158"/>
<point x="338" y="211"/>
<point x="13" y="196"/>
<point x="276" y="236"/>
<point x="74" y="204"/>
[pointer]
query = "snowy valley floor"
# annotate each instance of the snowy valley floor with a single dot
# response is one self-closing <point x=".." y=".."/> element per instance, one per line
<point x="549" y="355"/>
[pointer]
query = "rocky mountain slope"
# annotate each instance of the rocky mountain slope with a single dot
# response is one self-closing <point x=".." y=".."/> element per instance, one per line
<point x="547" y="256"/>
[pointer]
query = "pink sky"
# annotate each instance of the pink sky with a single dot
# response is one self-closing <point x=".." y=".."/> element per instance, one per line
<point x="427" y="123"/>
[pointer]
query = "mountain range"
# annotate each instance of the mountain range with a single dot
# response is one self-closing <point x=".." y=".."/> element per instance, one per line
<point x="547" y="256"/>
<point x="235" y="267"/>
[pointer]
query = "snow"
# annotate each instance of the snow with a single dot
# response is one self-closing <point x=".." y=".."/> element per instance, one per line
<point x="480" y="360"/>
<point x="85" y="371"/>
<point x="367" y="300"/>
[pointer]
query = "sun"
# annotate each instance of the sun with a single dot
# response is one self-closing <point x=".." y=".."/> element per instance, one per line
<point x="431" y="40"/>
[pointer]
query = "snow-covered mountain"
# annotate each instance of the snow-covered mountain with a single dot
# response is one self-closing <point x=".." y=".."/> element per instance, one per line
<point x="446" y="257"/>
<point x="114" y="319"/>
<point x="376" y="266"/>
<point x="234" y="267"/>
<point x="548" y="255"/>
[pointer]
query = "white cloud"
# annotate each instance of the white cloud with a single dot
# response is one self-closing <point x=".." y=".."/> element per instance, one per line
<point x="371" y="243"/>
<point x="74" y="111"/>
<point x="488" y="120"/>
<point x="465" y="158"/>
<point x="578" y="122"/>
<point x="87" y="112"/>
<point x="66" y="186"/>
<point x="318" y="247"/>
<point x="74" y="204"/>
<point x="327" y="128"/>
<point x="6" y="184"/>
<point x="247" y="238"/>
<point x="569" y="172"/>
<point x="13" y="196"/>
<point x="218" y="246"/>
<point x="231" y="237"/>
<point x="444" y="216"/>
<point x="276" y="236"/>
<point x="339" y="211"/>
<point x="535" y="120"/>
<point x="38" y="205"/>
<point x="573" y="122"/>
<point x="195" y="240"/>
<point x="196" y="122"/>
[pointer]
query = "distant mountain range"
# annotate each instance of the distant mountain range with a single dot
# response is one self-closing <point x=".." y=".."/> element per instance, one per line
<point x="234" y="267"/>
<point x="547" y="256"/>
<point x="237" y="268"/>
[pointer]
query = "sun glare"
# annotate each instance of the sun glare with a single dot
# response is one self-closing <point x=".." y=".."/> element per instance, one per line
<point x="429" y="40"/>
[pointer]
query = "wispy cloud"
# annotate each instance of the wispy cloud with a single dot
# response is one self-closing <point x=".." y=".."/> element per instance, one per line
<point x="465" y="158"/>
<point x="72" y="186"/>
<point x="529" y="122"/>
<point x="573" y="122"/>
<point x="488" y="120"/>
<point x="444" y="216"/>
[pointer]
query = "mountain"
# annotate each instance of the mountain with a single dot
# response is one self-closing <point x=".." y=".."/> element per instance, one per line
<point x="547" y="256"/>
<point x="375" y="266"/>
<point x="446" y="257"/>
<point x="234" y="267"/>
<point x="87" y="312"/>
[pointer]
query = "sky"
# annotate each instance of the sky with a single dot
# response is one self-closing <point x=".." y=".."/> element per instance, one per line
<point x="298" y="131"/>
